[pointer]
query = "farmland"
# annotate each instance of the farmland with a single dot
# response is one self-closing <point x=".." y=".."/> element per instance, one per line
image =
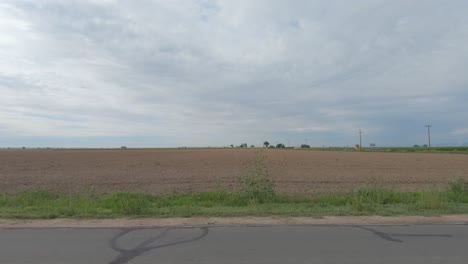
<point x="168" y="171"/>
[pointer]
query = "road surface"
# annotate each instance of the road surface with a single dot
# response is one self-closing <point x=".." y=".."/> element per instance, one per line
<point x="238" y="244"/>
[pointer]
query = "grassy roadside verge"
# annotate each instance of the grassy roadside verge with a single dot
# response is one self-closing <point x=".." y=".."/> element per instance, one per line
<point x="385" y="202"/>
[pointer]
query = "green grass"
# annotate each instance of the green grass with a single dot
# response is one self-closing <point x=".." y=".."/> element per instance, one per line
<point x="455" y="150"/>
<point x="41" y="204"/>
<point x="462" y="150"/>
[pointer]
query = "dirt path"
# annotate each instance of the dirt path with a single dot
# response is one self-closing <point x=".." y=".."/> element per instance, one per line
<point x="230" y="221"/>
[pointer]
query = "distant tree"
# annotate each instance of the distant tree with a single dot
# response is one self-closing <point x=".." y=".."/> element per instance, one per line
<point x="305" y="146"/>
<point x="416" y="146"/>
<point x="280" y="145"/>
<point x="252" y="146"/>
<point x="243" y="145"/>
<point x="266" y="144"/>
<point x="271" y="146"/>
<point x="232" y="146"/>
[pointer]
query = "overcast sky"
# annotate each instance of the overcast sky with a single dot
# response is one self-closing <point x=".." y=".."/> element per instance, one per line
<point x="106" y="73"/>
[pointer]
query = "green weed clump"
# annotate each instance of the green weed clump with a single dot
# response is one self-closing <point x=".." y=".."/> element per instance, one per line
<point x="127" y="203"/>
<point x="459" y="191"/>
<point x="431" y="201"/>
<point x="256" y="185"/>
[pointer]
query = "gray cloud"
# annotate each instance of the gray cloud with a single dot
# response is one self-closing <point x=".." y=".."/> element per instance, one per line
<point x="222" y="72"/>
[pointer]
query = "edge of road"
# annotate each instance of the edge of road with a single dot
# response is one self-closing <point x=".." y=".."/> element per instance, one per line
<point x="231" y="221"/>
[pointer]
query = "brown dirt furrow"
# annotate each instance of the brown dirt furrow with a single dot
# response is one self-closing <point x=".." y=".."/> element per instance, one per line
<point x="197" y="170"/>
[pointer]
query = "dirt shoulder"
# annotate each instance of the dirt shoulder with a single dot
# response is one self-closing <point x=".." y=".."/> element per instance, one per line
<point x="232" y="221"/>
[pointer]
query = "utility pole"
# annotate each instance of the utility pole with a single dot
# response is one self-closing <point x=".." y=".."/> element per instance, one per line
<point x="429" y="134"/>
<point x="360" y="139"/>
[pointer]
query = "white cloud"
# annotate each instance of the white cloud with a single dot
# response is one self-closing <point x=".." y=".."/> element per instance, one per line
<point x="211" y="71"/>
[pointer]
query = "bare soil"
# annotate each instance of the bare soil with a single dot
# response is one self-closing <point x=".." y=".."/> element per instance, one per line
<point x="198" y="170"/>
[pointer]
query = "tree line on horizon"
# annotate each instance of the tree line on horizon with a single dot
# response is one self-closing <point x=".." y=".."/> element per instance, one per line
<point x="267" y="144"/>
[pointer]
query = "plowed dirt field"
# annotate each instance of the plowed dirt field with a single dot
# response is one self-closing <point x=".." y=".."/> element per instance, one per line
<point x="197" y="170"/>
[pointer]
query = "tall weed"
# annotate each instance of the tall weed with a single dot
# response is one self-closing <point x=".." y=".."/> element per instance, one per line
<point x="256" y="184"/>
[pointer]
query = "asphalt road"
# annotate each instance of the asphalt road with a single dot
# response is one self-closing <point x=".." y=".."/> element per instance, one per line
<point x="218" y="244"/>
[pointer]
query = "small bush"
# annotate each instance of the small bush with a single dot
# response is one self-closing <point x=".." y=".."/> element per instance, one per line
<point x="459" y="191"/>
<point x="361" y="204"/>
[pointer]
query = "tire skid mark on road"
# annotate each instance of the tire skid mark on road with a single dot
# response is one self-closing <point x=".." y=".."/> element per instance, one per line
<point x="128" y="254"/>
<point x="391" y="236"/>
